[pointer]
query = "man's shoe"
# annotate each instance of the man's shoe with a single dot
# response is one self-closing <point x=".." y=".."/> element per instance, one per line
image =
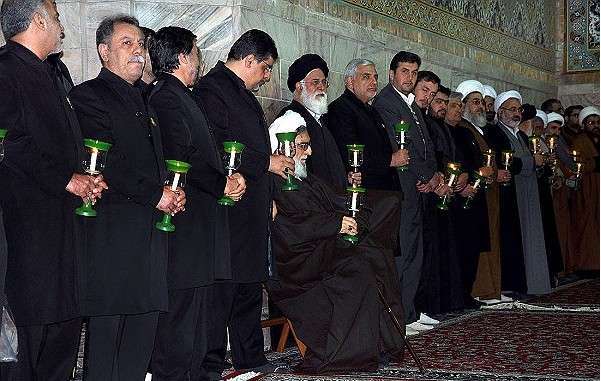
<point x="410" y="331"/>
<point x="506" y="298"/>
<point x="419" y="326"/>
<point x="489" y="302"/>
<point x="425" y="319"/>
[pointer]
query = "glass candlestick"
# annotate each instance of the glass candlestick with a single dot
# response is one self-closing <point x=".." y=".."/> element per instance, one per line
<point x="232" y="157"/>
<point x="534" y="141"/>
<point x="507" y="157"/>
<point x="489" y="155"/>
<point x="179" y="170"/>
<point x="355" y="157"/>
<point x="401" y="132"/>
<point x="451" y="178"/>
<point x="287" y="148"/>
<point x="93" y="164"/>
<point x="355" y="198"/>
<point x="479" y="180"/>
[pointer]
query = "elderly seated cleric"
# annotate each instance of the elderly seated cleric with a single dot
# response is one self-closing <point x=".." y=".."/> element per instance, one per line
<point x="328" y="287"/>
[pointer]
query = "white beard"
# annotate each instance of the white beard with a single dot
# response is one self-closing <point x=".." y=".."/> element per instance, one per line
<point x="300" y="169"/>
<point x="479" y="120"/>
<point x="318" y="105"/>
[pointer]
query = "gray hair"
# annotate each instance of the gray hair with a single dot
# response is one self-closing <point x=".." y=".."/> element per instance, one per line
<point x="106" y="28"/>
<point x="351" y="67"/>
<point x="455" y="96"/>
<point x="16" y="15"/>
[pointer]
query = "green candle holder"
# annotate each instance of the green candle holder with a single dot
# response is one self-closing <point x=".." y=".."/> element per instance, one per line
<point x="179" y="169"/>
<point x="93" y="165"/>
<point x="354" y="202"/>
<point x="479" y="179"/>
<point x="401" y="130"/>
<point x="453" y="172"/>
<point x="287" y="148"/>
<point x="232" y="157"/>
<point x="355" y="157"/>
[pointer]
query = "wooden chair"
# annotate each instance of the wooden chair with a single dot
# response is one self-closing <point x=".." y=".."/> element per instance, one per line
<point x="286" y="329"/>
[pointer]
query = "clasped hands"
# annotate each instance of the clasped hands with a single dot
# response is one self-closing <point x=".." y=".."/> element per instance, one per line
<point x="235" y="187"/>
<point x="349" y="226"/>
<point x="89" y="188"/>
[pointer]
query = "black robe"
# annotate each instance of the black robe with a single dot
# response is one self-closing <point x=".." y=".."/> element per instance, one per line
<point x="554" y="259"/>
<point x="328" y="289"/>
<point x="513" y="272"/>
<point x="123" y="270"/>
<point x="330" y="167"/>
<point x="199" y="248"/>
<point x="234" y="113"/>
<point x="42" y="151"/>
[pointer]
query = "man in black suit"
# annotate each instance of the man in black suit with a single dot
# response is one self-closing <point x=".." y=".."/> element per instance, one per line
<point x="234" y="113"/>
<point x="123" y="283"/>
<point x="308" y="81"/>
<point x="199" y="249"/>
<point x="41" y="187"/>
<point x="395" y="103"/>
<point x="352" y="120"/>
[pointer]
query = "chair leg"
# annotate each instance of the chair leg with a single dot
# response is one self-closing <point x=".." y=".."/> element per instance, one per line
<point x="302" y="348"/>
<point x="283" y="336"/>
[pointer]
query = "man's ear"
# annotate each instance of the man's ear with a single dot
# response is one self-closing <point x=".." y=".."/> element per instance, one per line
<point x="38" y="21"/>
<point x="390" y="75"/>
<point x="248" y="60"/>
<point x="183" y="59"/>
<point x="103" y="51"/>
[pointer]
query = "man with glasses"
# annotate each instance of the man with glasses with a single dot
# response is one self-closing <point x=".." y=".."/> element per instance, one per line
<point x="523" y="253"/>
<point x="307" y="80"/>
<point x="233" y="113"/>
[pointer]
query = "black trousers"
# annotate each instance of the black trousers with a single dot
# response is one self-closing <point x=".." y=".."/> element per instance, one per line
<point x="237" y="308"/>
<point x="46" y="352"/>
<point x="182" y="334"/>
<point x="118" y="347"/>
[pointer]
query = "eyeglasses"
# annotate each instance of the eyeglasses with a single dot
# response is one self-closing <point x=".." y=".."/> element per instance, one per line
<point x="303" y="146"/>
<point x="268" y="67"/>
<point x="317" y="82"/>
<point x="513" y="109"/>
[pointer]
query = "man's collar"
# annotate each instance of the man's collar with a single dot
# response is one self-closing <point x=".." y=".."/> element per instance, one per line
<point x="25" y="54"/>
<point x="479" y="129"/>
<point x="514" y="131"/>
<point x="353" y="98"/>
<point x="221" y="66"/>
<point x="407" y="98"/>
<point x="109" y="76"/>
<point x="172" y="80"/>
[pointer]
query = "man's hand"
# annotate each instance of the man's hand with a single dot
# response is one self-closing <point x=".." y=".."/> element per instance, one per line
<point x="274" y="210"/>
<point x="399" y="158"/>
<point x="85" y="186"/>
<point x="354" y="178"/>
<point x="487" y="171"/>
<point x="443" y="190"/>
<point x="430" y="185"/>
<point x="281" y="165"/>
<point x="349" y="226"/>
<point x="503" y="176"/>
<point x="539" y="159"/>
<point x="468" y="191"/>
<point x="461" y="182"/>
<point x="172" y="202"/>
<point x="235" y="186"/>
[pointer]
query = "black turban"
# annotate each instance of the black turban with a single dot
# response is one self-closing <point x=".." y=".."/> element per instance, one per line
<point x="529" y="112"/>
<point x="302" y="66"/>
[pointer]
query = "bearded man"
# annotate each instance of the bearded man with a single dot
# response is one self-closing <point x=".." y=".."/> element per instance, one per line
<point x="523" y="261"/>
<point x="571" y="125"/>
<point x="308" y="82"/>
<point x="489" y="103"/>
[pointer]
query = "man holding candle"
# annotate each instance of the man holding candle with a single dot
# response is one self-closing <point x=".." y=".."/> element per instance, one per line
<point x="395" y="103"/>
<point x="199" y="250"/>
<point x="523" y="252"/>
<point x="123" y="272"/>
<point x="42" y="184"/>
<point x="233" y="112"/>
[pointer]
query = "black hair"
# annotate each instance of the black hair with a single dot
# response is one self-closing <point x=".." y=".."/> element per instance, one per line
<point x="404" y="56"/>
<point x="255" y="42"/>
<point x="548" y="104"/>
<point x="571" y="108"/>
<point x="166" y="46"/>
<point x="106" y="28"/>
<point x="427" y="76"/>
<point x="443" y="89"/>
<point x="148" y="34"/>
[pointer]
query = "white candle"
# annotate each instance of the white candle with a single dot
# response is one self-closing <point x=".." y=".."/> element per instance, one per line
<point x="355" y="158"/>
<point x="175" y="181"/>
<point x="232" y="160"/>
<point x="451" y="180"/>
<point x="354" y="201"/>
<point x="287" y="149"/>
<point x="552" y="144"/>
<point x="402" y="137"/>
<point x="534" y="145"/>
<point x="488" y="159"/>
<point x="476" y="183"/>
<point x="507" y="155"/>
<point x="93" y="160"/>
<point x="578" y="168"/>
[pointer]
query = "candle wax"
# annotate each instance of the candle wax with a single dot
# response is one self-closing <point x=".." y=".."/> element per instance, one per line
<point x="287" y="149"/>
<point x="175" y="181"/>
<point x="355" y="158"/>
<point x="232" y="159"/>
<point x="93" y="160"/>
<point x="451" y="180"/>
<point x="354" y="201"/>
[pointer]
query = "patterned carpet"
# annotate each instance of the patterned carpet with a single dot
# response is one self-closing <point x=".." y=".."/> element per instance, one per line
<point x="585" y="292"/>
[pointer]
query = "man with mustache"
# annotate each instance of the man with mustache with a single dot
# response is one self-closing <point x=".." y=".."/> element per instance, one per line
<point x="395" y="103"/>
<point x="233" y="112"/>
<point x="523" y="253"/>
<point x="42" y="184"/>
<point x="308" y="82"/>
<point x="331" y="298"/>
<point x="585" y="200"/>
<point x="199" y="249"/>
<point x="489" y="103"/>
<point x="123" y="272"/>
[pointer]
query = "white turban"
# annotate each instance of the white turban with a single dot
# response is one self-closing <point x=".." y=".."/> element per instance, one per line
<point x="468" y="87"/>
<point x="489" y="91"/>
<point x="506" y="96"/>
<point x="587" y="111"/>
<point x="555" y="117"/>
<point x="543" y="116"/>
<point x="289" y="122"/>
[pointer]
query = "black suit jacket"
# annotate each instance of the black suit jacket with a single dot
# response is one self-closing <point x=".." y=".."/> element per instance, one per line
<point x="199" y="249"/>
<point x="354" y="122"/>
<point x="41" y="154"/>
<point x="324" y="162"/>
<point x="235" y="114"/>
<point x="124" y="268"/>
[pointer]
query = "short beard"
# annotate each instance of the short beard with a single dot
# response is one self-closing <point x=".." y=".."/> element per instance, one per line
<point x="313" y="103"/>
<point x="510" y="122"/>
<point x="478" y="120"/>
<point x="300" y="169"/>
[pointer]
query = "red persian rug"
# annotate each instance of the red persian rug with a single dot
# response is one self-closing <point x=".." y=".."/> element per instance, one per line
<point x="575" y="294"/>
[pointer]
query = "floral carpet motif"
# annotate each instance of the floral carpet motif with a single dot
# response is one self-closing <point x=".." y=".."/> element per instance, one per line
<point x="580" y="293"/>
